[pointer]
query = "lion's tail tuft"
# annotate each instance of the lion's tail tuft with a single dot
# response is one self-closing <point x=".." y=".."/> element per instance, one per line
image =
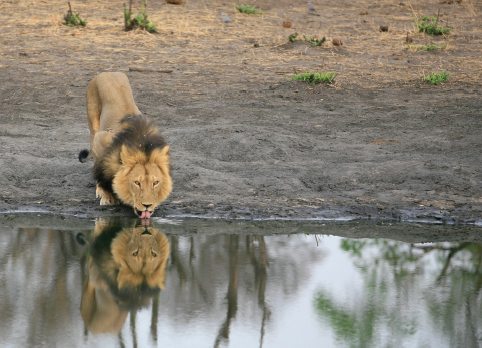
<point x="84" y="155"/>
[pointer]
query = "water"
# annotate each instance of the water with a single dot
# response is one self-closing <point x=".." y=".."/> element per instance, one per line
<point x="239" y="284"/>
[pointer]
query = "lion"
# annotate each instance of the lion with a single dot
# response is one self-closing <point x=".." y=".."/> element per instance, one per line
<point x="131" y="158"/>
<point x="125" y="268"/>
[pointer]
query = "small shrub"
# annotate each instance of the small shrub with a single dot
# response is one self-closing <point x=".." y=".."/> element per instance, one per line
<point x="436" y="79"/>
<point x="250" y="9"/>
<point x="430" y="26"/>
<point x="325" y="77"/>
<point x="139" y="21"/>
<point x="73" y="19"/>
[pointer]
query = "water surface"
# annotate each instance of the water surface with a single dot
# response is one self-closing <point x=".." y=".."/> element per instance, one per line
<point x="240" y="284"/>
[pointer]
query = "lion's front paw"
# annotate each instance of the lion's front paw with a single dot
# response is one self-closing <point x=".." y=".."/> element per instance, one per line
<point x="105" y="197"/>
<point x="98" y="192"/>
<point x="109" y="201"/>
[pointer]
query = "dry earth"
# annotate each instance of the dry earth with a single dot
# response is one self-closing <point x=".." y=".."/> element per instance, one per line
<point x="246" y="142"/>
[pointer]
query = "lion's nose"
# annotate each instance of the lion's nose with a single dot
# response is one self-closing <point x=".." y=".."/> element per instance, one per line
<point x="146" y="205"/>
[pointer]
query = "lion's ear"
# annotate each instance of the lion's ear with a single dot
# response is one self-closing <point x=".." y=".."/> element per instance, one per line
<point x="158" y="277"/>
<point x="162" y="159"/>
<point x="119" y="245"/>
<point x="124" y="154"/>
<point x="130" y="157"/>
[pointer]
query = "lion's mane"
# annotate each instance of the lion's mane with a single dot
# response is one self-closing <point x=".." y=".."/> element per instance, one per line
<point x="138" y="139"/>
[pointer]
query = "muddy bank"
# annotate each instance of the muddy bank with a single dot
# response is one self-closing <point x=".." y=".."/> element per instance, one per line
<point x="405" y="232"/>
<point x="246" y="142"/>
<point x="358" y="155"/>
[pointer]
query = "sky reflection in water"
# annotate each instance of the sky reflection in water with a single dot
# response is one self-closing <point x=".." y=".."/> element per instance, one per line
<point x="234" y="284"/>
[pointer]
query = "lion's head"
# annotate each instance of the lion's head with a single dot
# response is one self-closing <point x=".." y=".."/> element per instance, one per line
<point x="143" y="181"/>
<point x="141" y="256"/>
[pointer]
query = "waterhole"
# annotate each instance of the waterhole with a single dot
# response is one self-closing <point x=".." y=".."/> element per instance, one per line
<point x="71" y="282"/>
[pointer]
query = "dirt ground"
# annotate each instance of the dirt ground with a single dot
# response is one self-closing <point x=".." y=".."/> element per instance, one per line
<point x="246" y="142"/>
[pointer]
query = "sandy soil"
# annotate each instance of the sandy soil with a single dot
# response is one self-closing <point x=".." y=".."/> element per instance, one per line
<point x="246" y="142"/>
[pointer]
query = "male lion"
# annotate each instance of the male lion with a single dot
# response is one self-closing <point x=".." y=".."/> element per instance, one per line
<point x="126" y="267"/>
<point x="131" y="158"/>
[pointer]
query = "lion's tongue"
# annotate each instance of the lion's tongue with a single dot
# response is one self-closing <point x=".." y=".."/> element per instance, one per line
<point x="145" y="214"/>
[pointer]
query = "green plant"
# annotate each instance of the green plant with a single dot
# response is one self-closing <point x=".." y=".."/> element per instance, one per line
<point x="139" y="21"/>
<point x="430" y="26"/>
<point x="436" y="79"/>
<point x="431" y="47"/>
<point x="313" y="40"/>
<point x="73" y="19"/>
<point x="293" y="37"/>
<point x="310" y="77"/>
<point x="250" y="9"/>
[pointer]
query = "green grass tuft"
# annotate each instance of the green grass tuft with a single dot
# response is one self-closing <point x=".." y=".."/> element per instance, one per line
<point x="250" y="9"/>
<point x="431" y="47"/>
<point x="430" y="26"/>
<point x="314" y="40"/>
<point x="138" y="21"/>
<point x="73" y="19"/>
<point x="325" y="77"/>
<point x="436" y="79"/>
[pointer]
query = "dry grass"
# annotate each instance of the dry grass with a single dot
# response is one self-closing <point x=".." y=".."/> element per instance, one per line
<point x="193" y="39"/>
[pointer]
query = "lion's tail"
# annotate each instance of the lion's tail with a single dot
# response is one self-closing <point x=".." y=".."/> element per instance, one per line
<point x="84" y="155"/>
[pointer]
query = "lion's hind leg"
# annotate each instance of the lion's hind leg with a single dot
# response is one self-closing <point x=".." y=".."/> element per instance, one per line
<point x="105" y="197"/>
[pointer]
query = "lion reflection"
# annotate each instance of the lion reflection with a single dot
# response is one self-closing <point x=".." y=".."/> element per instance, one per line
<point x="125" y="268"/>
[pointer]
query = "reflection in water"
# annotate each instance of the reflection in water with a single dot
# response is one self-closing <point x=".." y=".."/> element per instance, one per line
<point x="138" y="286"/>
<point x="232" y="295"/>
<point x="125" y="268"/>
<point x="409" y="289"/>
<point x="38" y="287"/>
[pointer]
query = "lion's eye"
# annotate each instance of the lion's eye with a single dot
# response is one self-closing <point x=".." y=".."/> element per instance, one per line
<point x="153" y="253"/>
<point x="137" y="183"/>
<point x="156" y="183"/>
<point x="134" y="253"/>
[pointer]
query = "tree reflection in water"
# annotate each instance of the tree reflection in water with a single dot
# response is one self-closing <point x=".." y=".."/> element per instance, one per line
<point x="39" y="282"/>
<point x="400" y="281"/>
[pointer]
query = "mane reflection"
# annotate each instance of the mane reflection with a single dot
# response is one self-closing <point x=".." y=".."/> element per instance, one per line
<point x="126" y="267"/>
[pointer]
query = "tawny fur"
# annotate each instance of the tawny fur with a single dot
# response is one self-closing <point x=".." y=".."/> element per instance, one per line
<point x="131" y="159"/>
<point x="141" y="257"/>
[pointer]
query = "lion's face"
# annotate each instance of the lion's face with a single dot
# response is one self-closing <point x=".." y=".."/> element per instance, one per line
<point x="143" y="182"/>
<point x="141" y="254"/>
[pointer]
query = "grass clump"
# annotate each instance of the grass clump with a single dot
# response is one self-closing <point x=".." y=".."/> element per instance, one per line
<point x="293" y="37"/>
<point x="73" y="19"/>
<point x="139" y="21"/>
<point x="436" y="79"/>
<point x="431" y="47"/>
<point x="314" y="40"/>
<point x="250" y="9"/>
<point x="430" y="26"/>
<point x="325" y="77"/>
